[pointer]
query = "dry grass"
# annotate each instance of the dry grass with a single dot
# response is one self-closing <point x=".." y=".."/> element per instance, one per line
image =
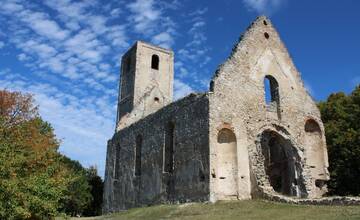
<point x="249" y="210"/>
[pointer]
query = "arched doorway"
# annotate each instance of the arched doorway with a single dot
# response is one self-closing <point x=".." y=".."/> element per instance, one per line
<point x="281" y="163"/>
<point x="226" y="164"/>
<point x="315" y="152"/>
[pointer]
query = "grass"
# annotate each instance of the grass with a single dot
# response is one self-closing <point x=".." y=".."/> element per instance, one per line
<point x="249" y="210"/>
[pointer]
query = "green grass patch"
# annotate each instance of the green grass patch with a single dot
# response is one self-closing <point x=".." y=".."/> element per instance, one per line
<point x="228" y="210"/>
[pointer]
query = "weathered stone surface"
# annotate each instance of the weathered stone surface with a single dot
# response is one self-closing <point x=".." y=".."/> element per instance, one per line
<point x="228" y="143"/>
<point x="189" y="179"/>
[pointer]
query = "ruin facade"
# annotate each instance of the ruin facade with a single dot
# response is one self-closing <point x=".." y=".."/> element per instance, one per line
<point x="256" y="132"/>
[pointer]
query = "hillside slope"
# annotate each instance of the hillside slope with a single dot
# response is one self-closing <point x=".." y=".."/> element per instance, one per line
<point x="250" y="210"/>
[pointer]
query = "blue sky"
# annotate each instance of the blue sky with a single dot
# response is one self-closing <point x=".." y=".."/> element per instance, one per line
<point x="67" y="52"/>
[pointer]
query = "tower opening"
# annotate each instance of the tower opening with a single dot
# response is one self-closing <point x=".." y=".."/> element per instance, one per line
<point x="155" y="62"/>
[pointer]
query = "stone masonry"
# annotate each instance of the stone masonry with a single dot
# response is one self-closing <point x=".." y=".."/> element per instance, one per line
<point x="255" y="133"/>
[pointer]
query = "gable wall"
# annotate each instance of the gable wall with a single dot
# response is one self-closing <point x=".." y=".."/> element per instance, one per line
<point x="237" y="100"/>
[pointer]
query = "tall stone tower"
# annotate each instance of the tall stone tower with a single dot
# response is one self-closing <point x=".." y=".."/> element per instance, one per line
<point x="146" y="83"/>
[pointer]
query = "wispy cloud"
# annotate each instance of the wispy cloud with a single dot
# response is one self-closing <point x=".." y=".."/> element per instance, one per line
<point x="69" y="52"/>
<point x="181" y="89"/>
<point x="148" y="18"/>
<point x="144" y="16"/>
<point x="77" y="121"/>
<point x="193" y="55"/>
<point x="267" y="7"/>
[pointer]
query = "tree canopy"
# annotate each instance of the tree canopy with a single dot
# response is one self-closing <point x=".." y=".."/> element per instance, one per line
<point x="36" y="181"/>
<point x="341" y="116"/>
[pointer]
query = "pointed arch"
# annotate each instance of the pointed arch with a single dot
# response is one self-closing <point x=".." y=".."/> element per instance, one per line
<point x="272" y="94"/>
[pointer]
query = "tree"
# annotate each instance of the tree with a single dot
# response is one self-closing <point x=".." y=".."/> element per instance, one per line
<point x="341" y="116"/>
<point x="31" y="177"/>
<point x="97" y="184"/>
<point x="36" y="181"/>
<point x="78" y="193"/>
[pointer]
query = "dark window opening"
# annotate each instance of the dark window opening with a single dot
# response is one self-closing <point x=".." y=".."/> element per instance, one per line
<point x="117" y="162"/>
<point x="201" y="175"/>
<point x="156" y="99"/>
<point x="127" y="79"/>
<point x="127" y="64"/>
<point x="312" y="126"/>
<point x="266" y="35"/>
<point x="320" y="183"/>
<point x="138" y="149"/>
<point x="211" y="86"/>
<point x="265" y="23"/>
<point x="155" y="62"/>
<point x="272" y="98"/>
<point x="282" y="166"/>
<point x="169" y="148"/>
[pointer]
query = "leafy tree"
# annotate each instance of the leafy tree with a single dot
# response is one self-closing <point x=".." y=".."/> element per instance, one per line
<point x="97" y="184"/>
<point x="32" y="180"/>
<point x="341" y="116"/>
<point x="78" y="193"/>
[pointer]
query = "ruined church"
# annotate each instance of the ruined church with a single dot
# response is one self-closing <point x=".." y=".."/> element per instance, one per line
<point x="256" y="132"/>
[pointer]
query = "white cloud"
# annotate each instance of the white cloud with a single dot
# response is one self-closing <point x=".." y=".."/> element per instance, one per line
<point x="264" y="6"/>
<point x="163" y="39"/>
<point x="181" y="89"/>
<point x="11" y="7"/>
<point x="117" y="36"/>
<point x="2" y="44"/>
<point x="144" y="16"/>
<point x="44" y="26"/>
<point x="23" y="57"/>
<point x="73" y="55"/>
<point x="40" y="49"/>
<point x="83" y="125"/>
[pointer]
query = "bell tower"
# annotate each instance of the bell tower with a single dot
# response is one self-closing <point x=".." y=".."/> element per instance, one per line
<point x="146" y="82"/>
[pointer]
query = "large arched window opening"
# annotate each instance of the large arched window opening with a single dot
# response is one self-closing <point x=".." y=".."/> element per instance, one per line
<point x="282" y="164"/>
<point x="155" y="62"/>
<point x="227" y="163"/>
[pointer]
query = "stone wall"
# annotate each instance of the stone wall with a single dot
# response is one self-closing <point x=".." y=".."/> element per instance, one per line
<point x="334" y="200"/>
<point x="190" y="176"/>
<point x="230" y="143"/>
<point x="237" y="101"/>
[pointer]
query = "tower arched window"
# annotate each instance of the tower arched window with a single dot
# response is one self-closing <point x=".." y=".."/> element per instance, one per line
<point x="155" y="62"/>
